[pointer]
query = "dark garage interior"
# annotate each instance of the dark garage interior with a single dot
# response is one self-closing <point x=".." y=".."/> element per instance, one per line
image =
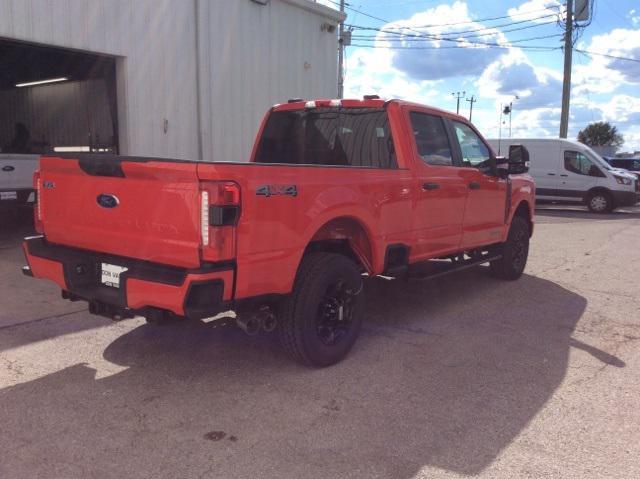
<point x="53" y="99"/>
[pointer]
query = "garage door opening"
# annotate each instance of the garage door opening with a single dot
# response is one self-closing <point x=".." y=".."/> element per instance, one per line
<point x="56" y="100"/>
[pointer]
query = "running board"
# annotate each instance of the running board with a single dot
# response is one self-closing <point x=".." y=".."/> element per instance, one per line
<point x="436" y="268"/>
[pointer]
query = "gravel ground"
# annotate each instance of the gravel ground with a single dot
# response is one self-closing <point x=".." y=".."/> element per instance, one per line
<point x="456" y="377"/>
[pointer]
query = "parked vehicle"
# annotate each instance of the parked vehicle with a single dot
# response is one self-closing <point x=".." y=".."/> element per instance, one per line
<point x="631" y="165"/>
<point x="334" y="189"/>
<point x="569" y="171"/>
<point x="16" y="180"/>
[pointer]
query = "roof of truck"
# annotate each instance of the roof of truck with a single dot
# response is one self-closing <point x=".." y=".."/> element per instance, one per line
<point x="299" y="103"/>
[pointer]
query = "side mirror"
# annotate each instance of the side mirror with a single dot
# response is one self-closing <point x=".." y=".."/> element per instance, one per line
<point x="518" y="160"/>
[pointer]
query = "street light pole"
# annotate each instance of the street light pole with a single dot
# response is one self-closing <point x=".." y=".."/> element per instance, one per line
<point x="458" y="95"/>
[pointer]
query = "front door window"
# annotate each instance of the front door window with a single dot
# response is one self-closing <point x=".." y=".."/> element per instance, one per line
<point x="475" y="153"/>
<point x="580" y="164"/>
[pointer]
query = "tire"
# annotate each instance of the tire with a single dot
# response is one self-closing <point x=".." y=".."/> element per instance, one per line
<point x="514" y="251"/>
<point x="600" y="202"/>
<point x="321" y="319"/>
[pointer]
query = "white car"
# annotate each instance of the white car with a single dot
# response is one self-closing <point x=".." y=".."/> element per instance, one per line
<point x="569" y="171"/>
<point x="16" y="179"/>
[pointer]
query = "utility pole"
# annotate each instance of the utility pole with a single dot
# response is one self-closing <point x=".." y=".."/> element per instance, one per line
<point x="566" y="84"/>
<point x="341" y="54"/>
<point x="458" y="95"/>
<point x="471" y="100"/>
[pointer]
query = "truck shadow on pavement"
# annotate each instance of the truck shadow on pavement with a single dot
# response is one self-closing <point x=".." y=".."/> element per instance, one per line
<point x="446" y="374"/>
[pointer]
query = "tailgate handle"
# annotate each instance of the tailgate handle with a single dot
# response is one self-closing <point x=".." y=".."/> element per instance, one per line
<point x="8" y="168"/>
<point x="95" y="165"/>
<point x="430" y="186"/>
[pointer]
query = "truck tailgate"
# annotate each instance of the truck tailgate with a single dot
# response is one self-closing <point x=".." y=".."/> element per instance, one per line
<point x="148" y="210"/>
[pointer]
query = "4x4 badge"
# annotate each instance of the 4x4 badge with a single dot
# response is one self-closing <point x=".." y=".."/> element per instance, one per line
<point x="274" y="190"/>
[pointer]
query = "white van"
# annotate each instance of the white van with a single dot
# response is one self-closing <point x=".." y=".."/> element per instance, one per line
<point x="568" y="171"/>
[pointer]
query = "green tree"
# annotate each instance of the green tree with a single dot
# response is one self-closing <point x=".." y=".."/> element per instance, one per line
<point x="600" y="133"/>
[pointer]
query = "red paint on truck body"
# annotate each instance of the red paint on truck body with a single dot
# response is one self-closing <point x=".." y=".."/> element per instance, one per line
<point x="159" y="218"/>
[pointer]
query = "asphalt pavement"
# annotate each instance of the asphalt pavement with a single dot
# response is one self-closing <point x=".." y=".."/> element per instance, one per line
<point x="461" y="376"/>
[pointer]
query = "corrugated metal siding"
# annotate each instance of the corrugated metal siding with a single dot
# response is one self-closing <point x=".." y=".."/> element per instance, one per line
<point x="251" y="57"/>
<point x="265" y="55"/>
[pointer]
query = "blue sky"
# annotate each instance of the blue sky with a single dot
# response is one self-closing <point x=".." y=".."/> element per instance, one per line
<point x="602" y="88"/>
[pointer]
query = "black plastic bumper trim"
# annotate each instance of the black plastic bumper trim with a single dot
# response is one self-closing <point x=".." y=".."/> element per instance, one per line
<point x="82" y="271"/>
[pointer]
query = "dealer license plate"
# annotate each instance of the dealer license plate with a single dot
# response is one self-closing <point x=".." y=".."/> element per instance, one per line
<point x="8" y="195"/>
<point x="111" y="274"/>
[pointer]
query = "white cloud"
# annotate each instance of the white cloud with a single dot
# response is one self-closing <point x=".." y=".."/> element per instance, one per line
<point x="619" y="42"/>
<point x="634" y="16"/>
<point x="496" y="75"/>
<point x="414" y="73"/>
<point x="622" y="109"/>
<point x="515" y="76"/>
<point x="433" y="57"/>
<point x="534" y="9"/>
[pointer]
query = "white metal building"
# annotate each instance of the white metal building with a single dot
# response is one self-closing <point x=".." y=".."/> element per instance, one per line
<point x="144" y="77"/>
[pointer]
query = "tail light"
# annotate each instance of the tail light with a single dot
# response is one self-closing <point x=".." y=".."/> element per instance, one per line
<point x="37" y="211"/>
<point x="219" y="214"/>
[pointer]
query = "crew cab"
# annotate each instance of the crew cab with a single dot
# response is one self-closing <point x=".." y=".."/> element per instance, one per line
<point x="335" y="191"/>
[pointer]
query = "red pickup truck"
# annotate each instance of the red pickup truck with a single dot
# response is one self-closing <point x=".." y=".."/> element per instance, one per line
<point x="335" y="190"/>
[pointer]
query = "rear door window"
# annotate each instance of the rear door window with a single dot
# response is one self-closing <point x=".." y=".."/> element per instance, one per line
<point x="431" y="139"/>
<point x="359" y="137"/>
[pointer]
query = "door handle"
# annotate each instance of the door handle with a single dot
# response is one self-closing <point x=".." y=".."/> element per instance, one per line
<point x="430" y="186"/>
<point x="564" y="175"/>
<point x="551" y="174"/>
<point x="474" y="186"/>
<point x="8" y="168"/>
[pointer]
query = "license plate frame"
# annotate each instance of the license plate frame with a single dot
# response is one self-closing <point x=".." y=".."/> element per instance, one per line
<point x="110" y="274"/>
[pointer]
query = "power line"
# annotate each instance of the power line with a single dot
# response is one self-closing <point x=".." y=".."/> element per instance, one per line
<point x="539" y="48"/>
<point x="419" y="41"/>
<point x="447" y="34"/>
<point x="615" y="57"/>
<point x="443" y="24"/>
<point x="508" y="24"/>
<point x="457" y="40"/>
<point x="434" y="37"/>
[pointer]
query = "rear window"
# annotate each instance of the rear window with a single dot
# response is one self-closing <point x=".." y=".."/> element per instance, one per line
<point x="328" y="136"/>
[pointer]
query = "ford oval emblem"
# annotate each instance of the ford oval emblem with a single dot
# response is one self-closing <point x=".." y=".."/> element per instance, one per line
<point x="107" y="200"/>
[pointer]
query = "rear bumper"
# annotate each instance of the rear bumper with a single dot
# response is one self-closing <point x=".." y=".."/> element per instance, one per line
<point x="625" y="198"/>
<point x="194" y="293"/>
